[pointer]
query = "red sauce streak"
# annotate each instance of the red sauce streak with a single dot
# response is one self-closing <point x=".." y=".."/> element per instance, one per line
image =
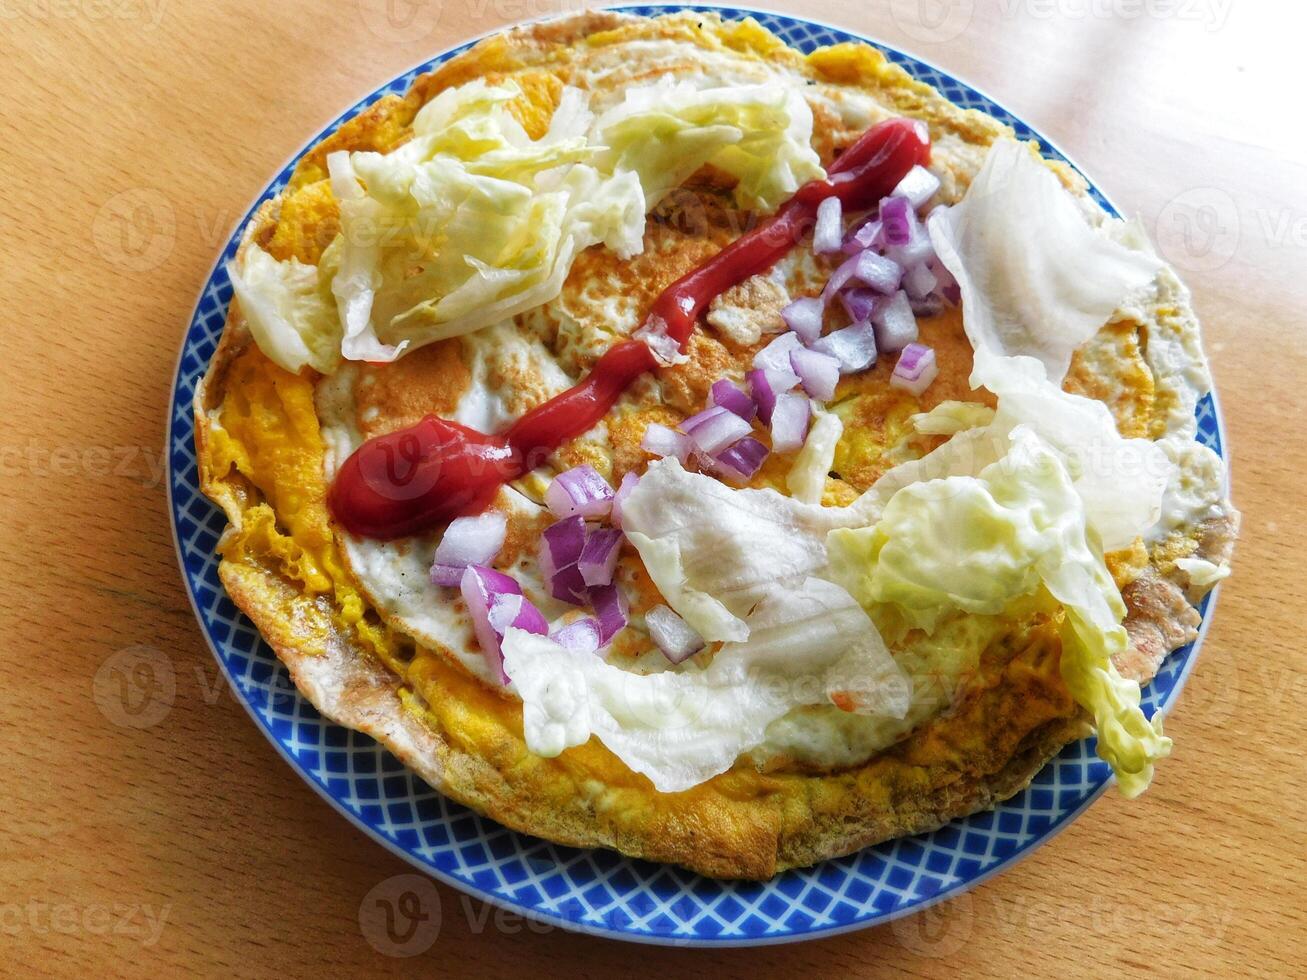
<point x="415" y="478"/>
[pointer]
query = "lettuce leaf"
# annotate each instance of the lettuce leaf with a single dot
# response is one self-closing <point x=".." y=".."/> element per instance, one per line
<point x="1036" y="277"/>
<point x="759" y="134"/>
<point x="682" y="727"/>
<point x="471" y="222"/>
<point x="980" y="542"/>
<point x="714" y="551"/>
<point x="288" y="308"/>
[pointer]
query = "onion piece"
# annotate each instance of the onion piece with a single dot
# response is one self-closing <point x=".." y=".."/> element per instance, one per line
<point x="599" y="556"/>
<point x="894" y="323"/>
<point x="826" y="237"/>
<point x="741" y="461"/>
<point x="676" y="638"/>
<point x="580" y="634"/>
<point x="916" y="249"/>
<point x="663" y="442"/>
<point x="729" y="396"/>
<point x="863" y="238"/>
<point x="919" y="281"/>
<point x="876" y="271"/>
<point x="918" y="186"/>
<point x="493" y="597"/>
<point x="666" y="351"/>
<point x="776" y="355"/>
<point x="610" y="606"/>
<point x="915" y="370"/>
<point x="897" y="218"/>
<point x="853" y="346"/>
<point x="468" y="541"/>
<point x="561" y="546"/>
<point x="713" y="429"/>
<point x="767" y="386"/>
<point x="623" y="491"/>
<point x="803" y="316"/>
<point x="579" y="490"/>
<point x="564" y="541"/>
<point x="789" y="422"/>
<point x="859" y="302"/>
<point x="818" y="372"/>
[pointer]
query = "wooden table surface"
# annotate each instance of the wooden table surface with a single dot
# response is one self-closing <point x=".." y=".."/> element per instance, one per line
<point x="134" y="134"/>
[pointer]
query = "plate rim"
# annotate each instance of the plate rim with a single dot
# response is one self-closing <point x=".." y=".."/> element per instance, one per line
<point x="1207" y="607"/>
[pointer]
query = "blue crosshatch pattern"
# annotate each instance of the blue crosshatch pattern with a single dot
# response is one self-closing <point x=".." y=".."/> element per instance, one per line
<point x="600" y="891"/>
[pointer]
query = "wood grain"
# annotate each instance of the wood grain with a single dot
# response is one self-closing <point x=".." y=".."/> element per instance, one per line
<point x="136" y="131"/>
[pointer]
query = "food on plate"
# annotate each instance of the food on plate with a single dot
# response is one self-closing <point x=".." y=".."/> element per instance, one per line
<point x="664" y="440"/>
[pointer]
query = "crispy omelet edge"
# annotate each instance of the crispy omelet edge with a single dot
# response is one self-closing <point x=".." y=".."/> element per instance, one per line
<point x="466" y="740"/>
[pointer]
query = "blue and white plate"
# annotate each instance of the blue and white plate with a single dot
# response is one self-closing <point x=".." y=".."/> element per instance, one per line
<point x="601" y="891"/>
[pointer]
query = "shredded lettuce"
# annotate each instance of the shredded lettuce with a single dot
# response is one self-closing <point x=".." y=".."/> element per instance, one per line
<point x="806" y="645"/>
<point x="471" y="222"/>
<point x="950" y="417"/>
<point x="1120" y="482"/>
<point x="759" y="134"/>
<point x="1036" y="277"/>
<point x="714" y="551"/>
<point x="980" y="542"/>
<point x="289" y="309"/>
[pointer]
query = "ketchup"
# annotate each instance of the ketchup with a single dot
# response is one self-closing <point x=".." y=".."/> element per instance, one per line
<point x="427" y="474"/>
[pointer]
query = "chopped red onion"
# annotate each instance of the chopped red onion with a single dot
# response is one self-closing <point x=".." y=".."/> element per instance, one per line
<point x="894" y="323"/>
<point x="863" y="238"/>
<point x="803" y="316"/>
<point x="729" y="396"/>
<point x="789" y="422"/>
<point x="919" y="282"/>
<point x="565" y="584"/>
<point x="468" y="541"/>
<point x="610" y="606"/>
<point x="579" y="490"/>
<point x="561" y="546"/>
<point x="916" y="249"/>
<point x="819" y="372"/>
<point x="918" y="186"/>
<point x="897" y="217"/>
<point x="713" y="429"/>
<point x="666" y="350"/>
<point x="662" y="441"/>
<point x="853" y="346"/>
<point x="878" y="272"/>
<point x="564" y="541"/>
<point x="623" y="491"/>
<point x="776" y="355"/>
<point x="580" y="634"/>
<point x="599" y="556"/>
<point x="915" y="370"/>
<point x="741" y="461"/>
<point x="826" y="237"/>
<point x="868" y="267"/>
<point x="676" y="638"/>
<point x="859" y="302"/>
<point x="495" y="598"/>
<point x="767" y="385"/>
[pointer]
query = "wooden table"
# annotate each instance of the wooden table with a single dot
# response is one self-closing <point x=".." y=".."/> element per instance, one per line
<point x="190" y="844"/>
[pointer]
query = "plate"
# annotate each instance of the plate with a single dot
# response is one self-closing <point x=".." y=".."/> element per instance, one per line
<point x="600" y="891"/>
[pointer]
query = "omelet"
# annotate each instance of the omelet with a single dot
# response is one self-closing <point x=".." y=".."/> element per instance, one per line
<point x="378" y="647"/>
